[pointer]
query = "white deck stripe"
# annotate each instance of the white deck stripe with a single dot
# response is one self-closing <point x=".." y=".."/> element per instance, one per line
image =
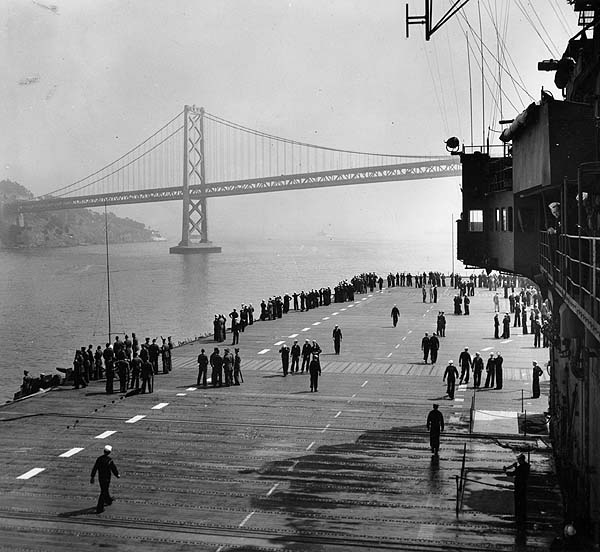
<point x="293" y="335"/>
<point x="135" y="419"/>
<point x="366" y="381"/>
<point x="263" y="351"/>
<point x="279" y="343"/>
<point x="272" y="489"/>
<point x="105" y="435"/>
<point x="458" y="399"/>
<point x="305" y="329"/>
<point x="342" y="310"/>
<point x="31" y="473"/>
<point x="181" y="394"/>
<point x="487" y="349"/>
<point x="325" y="428"/>
<point x="389" y="355"/>
<point x="316" y="323"/>
<point x="506" y="341"/>
<point x="325" y="318"/>
<point x="159" y="406"/>
<point x="338" y="414"/>
<point x="350" y="306"/>
<point x="334" y="313"/>
<point x="397" y="346"/>
<point x="247" y="518"/>
<point x="71" y="452"/>
<point x="310" y="446"/>
<point x="191" y="389"/>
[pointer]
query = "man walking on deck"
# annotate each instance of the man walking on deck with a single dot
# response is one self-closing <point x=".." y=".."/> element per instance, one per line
<point x="451" y="373"/>
<point x="395" y="315"/>
<point x="306" y="350"/>
<point x="425" y="347"/>
<point x="435" y="425"/>
<point x="477" y="370"/>
<point x="104" y="466"/>
<point x="216" y="363"/>
<point x="337" y="339"/>
<point x="434" y="345"/>
<point x="315" y="372"/>
<point x="520" y="471"/>
<point x="285" y="358"/>
<point x="465" y="362"/>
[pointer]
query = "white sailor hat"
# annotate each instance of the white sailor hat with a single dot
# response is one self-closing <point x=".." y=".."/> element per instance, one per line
<point x="107" y="448"/>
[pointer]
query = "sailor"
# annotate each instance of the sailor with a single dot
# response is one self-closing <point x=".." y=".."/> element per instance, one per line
<point x="435" y="425"/>
<point x="295" y="357"/>
<point x="477" y="370"/>
<point x="395" y="315"/>
<point x="78" y="379"/>
<point x="337" y="339"/>
<point x="465" y="365"/>
<point x="284" y="351"/>
<point x="537" y="372"/>
<point x="451" y="373"/>
<point x="136" y="370"/>
<point x="153" y="353"/>
<point x="306" y="350"/>
<point x="520" y="471"/>
<point x="104" y="466"/>
<point x="425" y="347"/>
<point x="315" y="372"/>
<point x="228" y="367"/>
<point x="237" y="368"/>
<point x="216" y="363"/>
<point x="490" y="369"/>
<point x="147" y="375"/>
<point x="109" y="357"/>
<point x="202" y="368"/>
<point x="498" y="364"/>
<point x="434" y="345"/>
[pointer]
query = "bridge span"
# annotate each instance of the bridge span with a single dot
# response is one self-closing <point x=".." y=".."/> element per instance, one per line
<point x="221" y="158"/>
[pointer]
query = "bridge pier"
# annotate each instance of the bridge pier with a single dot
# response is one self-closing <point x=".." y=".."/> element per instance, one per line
<point x="194" y="230"/>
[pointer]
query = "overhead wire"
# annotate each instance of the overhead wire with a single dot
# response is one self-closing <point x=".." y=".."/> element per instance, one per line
<point x="548" y="35"/>
<point x="560" y="16"/>
<point x="534" y="27"/>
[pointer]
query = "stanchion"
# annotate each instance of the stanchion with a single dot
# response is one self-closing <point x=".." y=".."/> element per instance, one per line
<point x="522" y="401"/>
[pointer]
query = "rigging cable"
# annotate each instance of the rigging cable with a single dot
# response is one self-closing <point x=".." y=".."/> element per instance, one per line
<point x="549" y="36"/>
<point x="470" y="87"/>
<point x="525" y="14"/>
<point x="482" y="75"/>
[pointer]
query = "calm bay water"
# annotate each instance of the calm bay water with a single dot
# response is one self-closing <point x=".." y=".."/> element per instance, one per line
<point x="54" y="301"/>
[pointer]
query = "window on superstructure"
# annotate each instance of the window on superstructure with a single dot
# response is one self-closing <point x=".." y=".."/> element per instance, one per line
<point x="497" y="220"/>
<point x="503" y="219"/>
<point x="476" y="220"/>
<point x="510" y="219"/>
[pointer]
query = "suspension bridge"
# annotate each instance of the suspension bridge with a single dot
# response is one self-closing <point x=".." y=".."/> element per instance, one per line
<point x="198" y="155"/>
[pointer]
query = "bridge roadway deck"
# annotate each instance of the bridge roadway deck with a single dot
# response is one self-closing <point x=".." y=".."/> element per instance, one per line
<point x="270" y="466"/>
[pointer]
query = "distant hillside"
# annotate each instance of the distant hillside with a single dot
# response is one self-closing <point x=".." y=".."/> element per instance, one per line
<point x="63" y="228"/>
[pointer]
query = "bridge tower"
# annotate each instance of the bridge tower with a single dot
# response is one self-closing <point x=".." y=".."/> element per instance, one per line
<point x="194" y="230"/>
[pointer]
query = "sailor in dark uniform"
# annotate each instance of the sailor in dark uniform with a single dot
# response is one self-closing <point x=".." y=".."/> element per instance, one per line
<point x="435" y="425"/>
<point x="104" y="466"/>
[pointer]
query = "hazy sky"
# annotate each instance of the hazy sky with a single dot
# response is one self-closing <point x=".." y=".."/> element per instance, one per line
<point x="85" y="80"/>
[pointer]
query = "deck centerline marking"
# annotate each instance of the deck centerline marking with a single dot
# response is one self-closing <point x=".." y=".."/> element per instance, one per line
<point x="247" y="518"/>
<point x="403" y="338"/>
<point x="334" y="313"/>
<point x="181" y="394"/>
<point x="409" y="331"/>
<point x="365" y="383"/>
<point x="272" y="489"/>
<point x="316" y="323"/>
<point x="70" y="452"/>
<point x="279" y="343"/>
<point x="487" y="349"/>
<point x="310" y="446"/>
<point x="506" y="341"/>
<point x="292" y="336"/>
<point x="294" y="464"/>
<point x="350" y="306"/>
<point x="325" y="318"/>
<point x="338" y="414"/>
<point x="31" y="473"/>
<point x="263" y="351"/>
<point x="105" y="435"/>
<point x="305" y="329"/>
<point x="459" y="399"/>
<point x="159" y="406"/>
<point x="135" y="419"/>
<point x="342" y="310"/>
<point x="325" y="428"/>
<point x="389" y="355"/>
<point x="191" y="389"/>
<point x="397" y="346"/>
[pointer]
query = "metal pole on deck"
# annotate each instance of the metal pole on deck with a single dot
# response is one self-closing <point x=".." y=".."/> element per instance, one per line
<point x="522" y="407"/>
<point x="452" y="227"/>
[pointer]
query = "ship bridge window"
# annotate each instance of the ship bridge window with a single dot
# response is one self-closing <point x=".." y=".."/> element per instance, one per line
<point x="476" y="220"/>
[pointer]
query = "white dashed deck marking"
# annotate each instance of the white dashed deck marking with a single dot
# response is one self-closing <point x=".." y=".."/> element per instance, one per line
<point x="191" y="389"/>
<point x="487" y="349"/>
<point x="279" y="343"/>
<point x="135" y="419"/>
<point x="365" y="383"/>
<point x="181" y="394"/>
<point x="506" y="341"/>
<point x="350" y="306"/>
<point x="292" y="336"/>
<point x="316" y="323"/>
<point x="272" y="490"/>
<point x="409" y="331"/>
<point x="403" y="338"/>
<point x="325" y="428"/>
<point x="325" y="318"/>
<point x="159" y="406"/>
<point x="263" y="351"/>
<point x="334" y="313"/>
<point x="458" y="399"/>
<point x="397" y="346"/>
<point x="105" y="435"/>
<point x="338" y="414"/>
<point x="310" y="446"/>
<point x="71" y="452"/>
<point x="294" y="464"/>
<point x="389" y="355"/>
<point x="305" y="329"/>
<point x="342" y="310"/>
<point x="247" y="518"/>
<point x="31" y="473"/>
